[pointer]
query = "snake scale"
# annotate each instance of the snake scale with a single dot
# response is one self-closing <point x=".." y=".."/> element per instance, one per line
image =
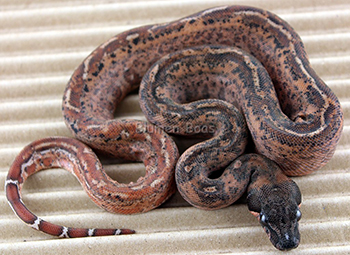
<point x="229" y="74"/>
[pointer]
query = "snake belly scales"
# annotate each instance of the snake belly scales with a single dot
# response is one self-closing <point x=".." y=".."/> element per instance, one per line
<point x="229" y="74"/>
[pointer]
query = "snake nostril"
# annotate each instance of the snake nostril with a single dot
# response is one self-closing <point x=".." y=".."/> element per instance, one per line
<point x="287" y="242"/>
<point x="286" y="245"/>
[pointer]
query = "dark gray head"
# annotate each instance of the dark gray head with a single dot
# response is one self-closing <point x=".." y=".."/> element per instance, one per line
<point x="277" y="209"/>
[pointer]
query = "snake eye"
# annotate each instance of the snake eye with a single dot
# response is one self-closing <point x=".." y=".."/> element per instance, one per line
<point x="298" y="214"/>
<point x="263" y="219"/>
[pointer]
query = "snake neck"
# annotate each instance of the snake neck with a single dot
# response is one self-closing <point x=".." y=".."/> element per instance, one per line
<point x="274" y="199"/>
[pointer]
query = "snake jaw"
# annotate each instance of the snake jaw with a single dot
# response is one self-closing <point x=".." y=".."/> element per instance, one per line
<point x="277" y="209"/>
<point x="283" y="236"/>
<point x="282" y="241"/>
<point x="288" y="242"/>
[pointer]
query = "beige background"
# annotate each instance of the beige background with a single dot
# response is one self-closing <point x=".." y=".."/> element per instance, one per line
<point x="41" y="43"/>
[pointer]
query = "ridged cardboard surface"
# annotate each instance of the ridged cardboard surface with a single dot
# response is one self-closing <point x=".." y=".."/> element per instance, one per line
<point x="43" y="41"/>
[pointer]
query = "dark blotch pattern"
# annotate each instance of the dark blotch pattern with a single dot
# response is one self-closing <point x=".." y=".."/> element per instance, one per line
<point x="293" y="118"/>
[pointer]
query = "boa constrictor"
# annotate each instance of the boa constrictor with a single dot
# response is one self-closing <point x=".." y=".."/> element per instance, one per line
<point x="254" y="74"/>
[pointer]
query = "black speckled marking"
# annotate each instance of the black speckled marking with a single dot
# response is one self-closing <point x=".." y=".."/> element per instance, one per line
<point x="173" y="86"/>
<point x="284" y="120"/>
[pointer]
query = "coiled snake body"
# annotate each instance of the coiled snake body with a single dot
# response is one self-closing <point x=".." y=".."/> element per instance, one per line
<point x="294" y="119"/>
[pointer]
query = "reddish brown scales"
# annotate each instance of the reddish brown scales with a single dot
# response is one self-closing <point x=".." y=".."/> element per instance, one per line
<point x="115" y="68"/>
<point x="74" y="156"/>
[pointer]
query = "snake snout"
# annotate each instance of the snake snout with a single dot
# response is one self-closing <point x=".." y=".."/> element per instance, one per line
<point x="287" y="243"/>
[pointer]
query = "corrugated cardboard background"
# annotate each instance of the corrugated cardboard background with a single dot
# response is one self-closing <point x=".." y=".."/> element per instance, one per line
<point x="43" y="41"/>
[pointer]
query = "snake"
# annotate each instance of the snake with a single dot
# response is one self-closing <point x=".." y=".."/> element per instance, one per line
<point x="236" y="76"/>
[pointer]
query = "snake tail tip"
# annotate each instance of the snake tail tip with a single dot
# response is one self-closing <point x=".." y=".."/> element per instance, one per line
<point x="127" y="231"/>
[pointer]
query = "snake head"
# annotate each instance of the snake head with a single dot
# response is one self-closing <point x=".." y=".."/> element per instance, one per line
<point x="277" y="209"/>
